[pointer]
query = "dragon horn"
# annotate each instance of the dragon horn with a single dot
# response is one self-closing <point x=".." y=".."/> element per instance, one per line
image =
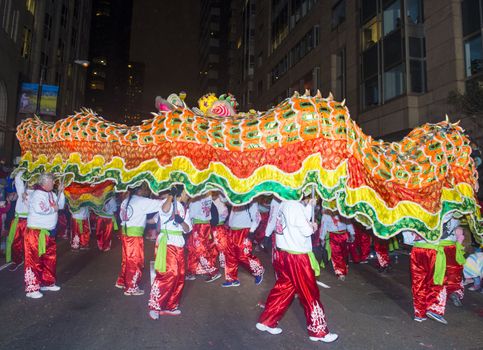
<point x="296" y="94"/>
<point x="330" y="97"/>
<point x="447" y="118"/>
<point x="343" y="103"/>
<point x="318" y="95"/>
<point x="307" y="93"/>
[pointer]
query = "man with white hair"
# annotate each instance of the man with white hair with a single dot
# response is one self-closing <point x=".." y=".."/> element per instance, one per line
<point x="40" y="246"/>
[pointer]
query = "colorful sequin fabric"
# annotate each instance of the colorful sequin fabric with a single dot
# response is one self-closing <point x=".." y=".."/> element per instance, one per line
<point x="304" y="140"/>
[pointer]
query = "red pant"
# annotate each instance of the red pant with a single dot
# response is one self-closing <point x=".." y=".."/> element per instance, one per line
<point x="221" y="240"/>
<point x="38" y="270"/>
<point x="361" y="247"/>
<point x="453" y="279"/>
<point x="295" y="275"/>
<point x="132" y="262"/>
<point x="340" y="252"/>
<point x="168" y="286"/>
<point x="240" y="252"/>
<point x="17" y="248"/>
<point x="80" y="239"/>
<point x="426" y="295"/>
<point x="62" y="225"/>
<point x="104" y="230"/>
<point x="260" y="231"/>
<point x="201" y="257"/>
<point x="381" y="247"/>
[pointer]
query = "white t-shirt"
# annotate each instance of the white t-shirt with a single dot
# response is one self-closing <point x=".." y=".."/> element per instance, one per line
<point x="200" y="209"/>
<point x="109" y="208"/>
<point x="272" y="217"/>
<point x="22" y="205"/>
<point x="167" y="223"/>
<point x="41" y="213"/>
<point x="245" y="216"/>
<point x="134" y="215"/>
<point x="81" y="214"/>
<point x="335" y="223"/>
<point x="222" y="208"/>
<point x="296" y="227"/>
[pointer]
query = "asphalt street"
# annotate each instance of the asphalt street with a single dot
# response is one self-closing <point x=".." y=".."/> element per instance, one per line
<point x="368" y="311"/>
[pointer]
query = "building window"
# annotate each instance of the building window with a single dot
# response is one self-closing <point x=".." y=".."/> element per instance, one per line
<point x="30" y="5"/>
<point x="371" y="92"/>
<point x="338" y="13"/>
<point x="47" y="26"/>
<point x="473" y="56"/>
<point x="368" y="9"/>
<point x="63" y="16"/>
<point x="414" y="11"/>
<point x="392" y="17"/>
<point x="470" y="13"/>
<point x="26" y="42"/>
<point x="371" y="33"/>
<point x="393" y="82"/>
<point x="340" y="74"/>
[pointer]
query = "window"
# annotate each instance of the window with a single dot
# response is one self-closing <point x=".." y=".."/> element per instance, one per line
<point x="473" y="56"/>
<point x="417" y="65"/>
<point x="26" y="42"/>
<point x="370" y="34"/>
<point x="371" y="92"/>
<point x="338" y="13"/>
<point x="414" y="11"/>
<point x="392" y="17"/>
<point x="30" y="6"/>
<point x="368" y="9"/>
<point x="470" y="11"/>
<point x="393" y="82"/>
<point x="47" y="26"/>
<point x="340" y="73"/>
<point x="393" y="49"/>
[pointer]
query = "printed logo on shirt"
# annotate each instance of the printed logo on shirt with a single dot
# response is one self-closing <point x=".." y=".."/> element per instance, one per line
<point x="206" y="208"/>
<point x="126" y="214"/>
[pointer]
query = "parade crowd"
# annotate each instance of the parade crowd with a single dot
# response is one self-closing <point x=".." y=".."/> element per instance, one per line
<point x="207" y="238"/>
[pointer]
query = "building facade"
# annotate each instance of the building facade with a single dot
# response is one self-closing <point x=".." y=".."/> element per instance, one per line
<point x="108" y="74"/>
<point x="41" y="37"/>
<point x="395" y="61"/>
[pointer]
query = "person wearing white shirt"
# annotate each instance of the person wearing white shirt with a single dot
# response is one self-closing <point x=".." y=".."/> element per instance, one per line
<point x="106" y="224"/>
<point x="81" y="229"/>
<point x="296" y="270"/>
<point x="339" y="231"/>
<point x="39" y="241"/>
<point x="243" y="220"/>
<point x="200" y="245"/>
<point x="18" y="227"/>
<point x="133" y="213"/>
<point x="169" y="256"/>
<point x="219" y="229"/>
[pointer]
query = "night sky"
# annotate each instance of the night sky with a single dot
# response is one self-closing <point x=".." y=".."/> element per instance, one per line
<point x="165" y="38"/>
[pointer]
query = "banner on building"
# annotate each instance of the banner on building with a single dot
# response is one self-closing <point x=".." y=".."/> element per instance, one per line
<point x="48" y="101"/>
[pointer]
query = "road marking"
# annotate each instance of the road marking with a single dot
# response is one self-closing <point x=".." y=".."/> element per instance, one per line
<point x="5" y="266"/>
<point x="322" y="284"/>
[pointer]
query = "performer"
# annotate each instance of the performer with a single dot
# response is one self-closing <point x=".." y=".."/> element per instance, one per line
<point x="295" y="274"/>
<point x="81" y="230"/>
<point x="219" y="229"/>
<point x="272" y="220"/>
<point x="39" y="240"/>
<point x="18" y="227"/>
<point x="106" y="224"/>
<point x="169" y="256"/>
<point x="361" y="247"/>
<point x="427" y="264"/>
<point x="264" y="209"/>
<point x="473" y="271"/>
<point x="243" y="220"/>
<point x="339" y="232"/>
<point x="133" y="216"/>
<point x="452" y="240"/>
<point x="201" y="249"/>
<point x="381" y="247"/>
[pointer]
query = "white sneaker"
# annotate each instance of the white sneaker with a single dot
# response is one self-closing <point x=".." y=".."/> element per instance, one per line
<point x="135" y="292"/>
<point x="51" y="288"/>
<point x="264" y="328"/>
<point x="154" y="315"/>
<point x="34" y="295"/>
<point x="329" y="338"/>
<point x="175" y="312"/>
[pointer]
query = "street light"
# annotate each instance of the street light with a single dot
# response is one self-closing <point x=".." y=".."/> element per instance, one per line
<point x="43" y="70"/>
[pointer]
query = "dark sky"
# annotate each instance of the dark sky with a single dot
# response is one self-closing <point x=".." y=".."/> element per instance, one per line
<point x="165" y="38"/>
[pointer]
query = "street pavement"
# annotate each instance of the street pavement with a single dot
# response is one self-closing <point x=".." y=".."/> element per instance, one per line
<point x="368" y="311"/>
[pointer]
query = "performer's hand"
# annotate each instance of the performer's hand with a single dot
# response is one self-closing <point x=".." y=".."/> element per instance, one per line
<point x="178" y="219"/>
<point x="314" y="226"/>
<point x="251" y="235"/>
<point x="56" y="207"/>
